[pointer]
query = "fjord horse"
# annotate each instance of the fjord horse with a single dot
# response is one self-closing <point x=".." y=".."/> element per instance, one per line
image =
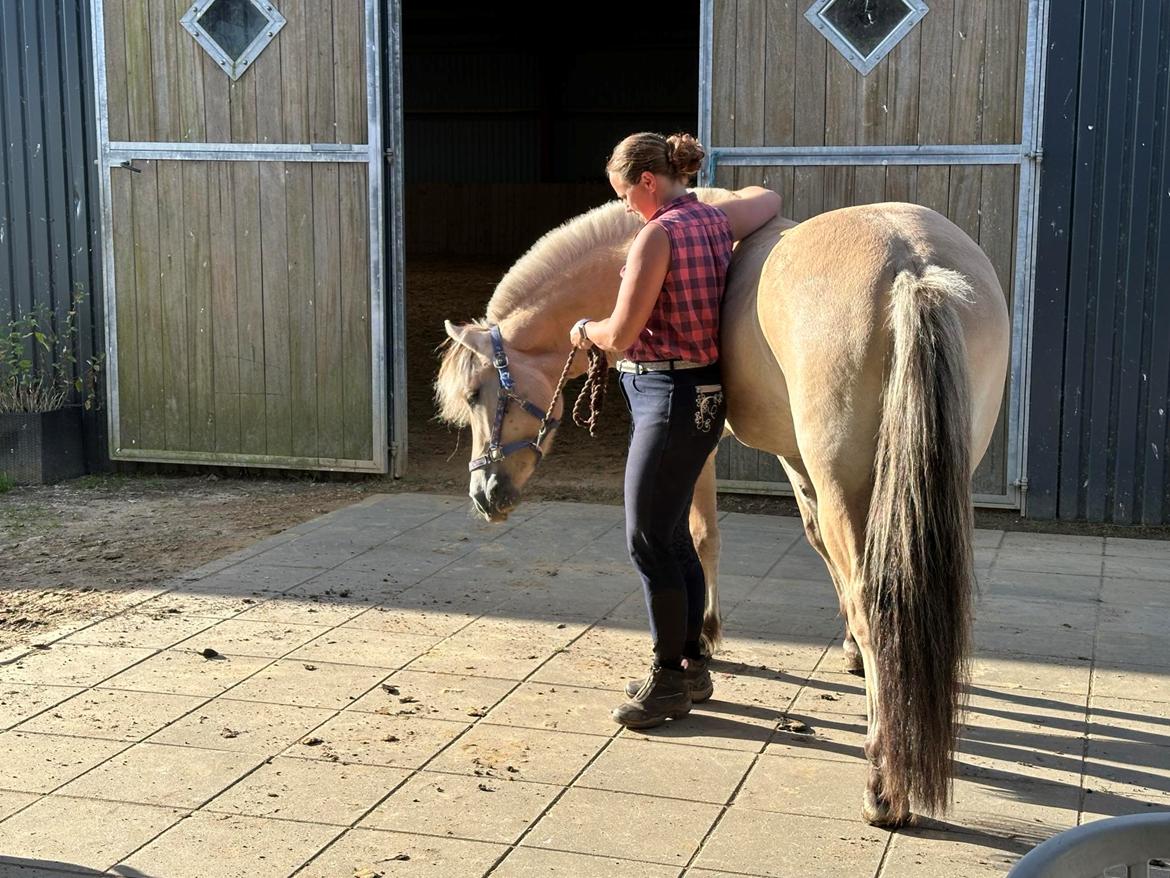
<point x="867" y="349"/>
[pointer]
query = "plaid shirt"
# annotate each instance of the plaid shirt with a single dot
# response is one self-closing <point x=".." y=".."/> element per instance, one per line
<point x="684" y="324"/>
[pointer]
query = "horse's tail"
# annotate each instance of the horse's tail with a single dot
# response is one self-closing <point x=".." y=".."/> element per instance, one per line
<point x="918" y="567"/>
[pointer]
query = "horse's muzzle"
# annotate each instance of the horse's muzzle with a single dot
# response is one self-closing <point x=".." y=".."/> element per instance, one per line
<point x="492" y="494"/>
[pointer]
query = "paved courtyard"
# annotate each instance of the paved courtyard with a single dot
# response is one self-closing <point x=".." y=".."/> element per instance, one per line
<point x="396" y="689"/>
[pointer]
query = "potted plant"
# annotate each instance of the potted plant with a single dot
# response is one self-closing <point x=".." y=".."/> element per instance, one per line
<point x="42" y="394"/>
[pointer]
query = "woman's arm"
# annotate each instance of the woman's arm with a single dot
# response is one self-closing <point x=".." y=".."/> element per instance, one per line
<point x="751" y="208"/>
<point x="646" y="267"/>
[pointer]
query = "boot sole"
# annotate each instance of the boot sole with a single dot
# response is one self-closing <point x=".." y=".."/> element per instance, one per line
<point x="657" y="721"/>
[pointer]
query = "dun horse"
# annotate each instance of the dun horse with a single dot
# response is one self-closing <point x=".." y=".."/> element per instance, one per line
<point x="867" y="349"/>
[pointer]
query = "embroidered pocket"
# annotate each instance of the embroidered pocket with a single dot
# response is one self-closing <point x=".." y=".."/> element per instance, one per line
<point x="708" y="406"/>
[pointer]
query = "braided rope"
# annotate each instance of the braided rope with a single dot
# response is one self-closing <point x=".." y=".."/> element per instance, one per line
<point x="593" y="390"/>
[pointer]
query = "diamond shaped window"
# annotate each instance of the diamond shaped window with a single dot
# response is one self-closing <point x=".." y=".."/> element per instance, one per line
<point x="233" y="32"/>
<point x="865" y="31"/>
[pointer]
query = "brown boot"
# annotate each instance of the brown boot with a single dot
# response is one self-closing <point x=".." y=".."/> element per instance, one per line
<point x="698" y="678"/>
<point x="664" y="695"/>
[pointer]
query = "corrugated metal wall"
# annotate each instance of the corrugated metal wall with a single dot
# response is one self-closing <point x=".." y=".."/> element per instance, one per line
<point x="1101" y="340"/>
<point x="48" y="185"/>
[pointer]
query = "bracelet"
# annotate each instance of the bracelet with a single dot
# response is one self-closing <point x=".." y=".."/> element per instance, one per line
<point x="580" y="327"/>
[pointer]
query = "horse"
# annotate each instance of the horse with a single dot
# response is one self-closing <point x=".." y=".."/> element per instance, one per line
<point x="867" y="348"/>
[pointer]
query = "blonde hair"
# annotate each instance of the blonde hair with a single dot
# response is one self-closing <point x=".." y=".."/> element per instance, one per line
<point x="678" y="157"/>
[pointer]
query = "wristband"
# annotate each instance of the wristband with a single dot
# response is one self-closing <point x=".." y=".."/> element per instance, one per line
<point x="580" y="327"/>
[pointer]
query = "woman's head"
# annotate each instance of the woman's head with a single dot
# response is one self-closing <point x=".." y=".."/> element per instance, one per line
<point x="646" y="167"/>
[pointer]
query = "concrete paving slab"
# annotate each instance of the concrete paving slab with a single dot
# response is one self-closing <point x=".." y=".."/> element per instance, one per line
<point x="19" y="701"/>
<point x="920" y="853"/>
<point x="466" y="807"/>
<point x="309" y="684"/>
<point x="1126" y="681"/>
<point x="117" y="715"/>
<point x="834" y="736"/>
<point x="635" y="827"/>
<point x="438" y="696"/>
<point x="242" y="636"/>
<point x="394" y="620"/>
<point x="780" y="845"/>
<point x="372" y="739"/>
<point x="810" y="787"/>
<point x="72" y="664"/>
<point x="243" y="847"/>
<point x="309" y="790"/>
<point x="157" y="774"/>
<point x="557" y="708"/>
<point x="158" y="630"/>
<point x="666" y="770"/>
<point x="525" y="862"/>
<point x="355" y="646"/>
<point x="374" y="852"/>
<point x="11" y="802"/>
<point x="242" y="727"/>
<point x="186" y="672"/>
<point x="82" y="832"/>
<point x="41" y="763"/>
<point x="1149" y="568"/>
<point x="526" y="754"/>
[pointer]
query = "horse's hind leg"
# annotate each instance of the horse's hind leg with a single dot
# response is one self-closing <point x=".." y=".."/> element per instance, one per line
<point x="806" y="501"/>
<point x="841" y="511"/>
<point x="704" y="527"/>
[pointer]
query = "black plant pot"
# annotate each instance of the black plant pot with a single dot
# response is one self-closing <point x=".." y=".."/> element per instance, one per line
<point x="39" y="448"/>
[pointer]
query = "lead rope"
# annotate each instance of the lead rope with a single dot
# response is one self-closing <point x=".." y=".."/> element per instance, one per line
<point x="593" y="390"/>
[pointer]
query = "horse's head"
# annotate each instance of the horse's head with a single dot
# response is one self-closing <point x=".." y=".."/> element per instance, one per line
<point x="502" y="393"/>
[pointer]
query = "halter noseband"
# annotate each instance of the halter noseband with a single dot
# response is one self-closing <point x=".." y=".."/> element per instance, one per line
<point x="496" y="451"/>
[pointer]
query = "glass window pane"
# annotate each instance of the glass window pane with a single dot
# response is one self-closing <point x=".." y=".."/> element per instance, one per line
<point x="865" y="23"/>
<point x="233" y="24"/>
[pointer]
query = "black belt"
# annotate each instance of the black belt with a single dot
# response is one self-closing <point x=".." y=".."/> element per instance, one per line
<point x="641" y="368"/>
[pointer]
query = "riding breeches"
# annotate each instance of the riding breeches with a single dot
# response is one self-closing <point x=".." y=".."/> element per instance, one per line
<point x="677" y="419"/>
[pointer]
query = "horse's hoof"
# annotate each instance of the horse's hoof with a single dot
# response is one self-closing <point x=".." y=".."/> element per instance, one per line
<point x="879" y="812"/>
<point x="852" y="664"/>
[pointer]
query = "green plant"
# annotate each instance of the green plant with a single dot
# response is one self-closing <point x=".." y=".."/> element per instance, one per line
<point x="6" y="483"/>
<point x="26" y="388"/>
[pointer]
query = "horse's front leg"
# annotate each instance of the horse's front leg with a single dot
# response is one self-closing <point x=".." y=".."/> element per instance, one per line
<point x="705" y="533"/>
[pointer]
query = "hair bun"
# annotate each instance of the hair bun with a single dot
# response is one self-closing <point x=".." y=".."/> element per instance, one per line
<point x="685" y="154"/>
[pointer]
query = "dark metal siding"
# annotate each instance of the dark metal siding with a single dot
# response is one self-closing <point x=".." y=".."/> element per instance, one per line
<point x="49" y="214"/>
<point x="1101" y="341"/>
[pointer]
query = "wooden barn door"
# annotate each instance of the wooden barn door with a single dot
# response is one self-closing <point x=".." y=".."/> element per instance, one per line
<point x="242" y="206"/>
<point x="841" y="102"/>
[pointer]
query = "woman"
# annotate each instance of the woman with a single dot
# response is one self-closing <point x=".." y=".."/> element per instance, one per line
<point x="665" y="326"/>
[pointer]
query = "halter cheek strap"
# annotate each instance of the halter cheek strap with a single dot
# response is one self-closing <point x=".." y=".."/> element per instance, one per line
<point x="496" y="451"/>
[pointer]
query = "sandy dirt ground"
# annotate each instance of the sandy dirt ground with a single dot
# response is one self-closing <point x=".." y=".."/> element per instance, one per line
<point x="73" y="551"/>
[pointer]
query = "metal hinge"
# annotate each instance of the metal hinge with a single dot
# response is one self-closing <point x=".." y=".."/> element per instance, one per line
<point x="389" y="154"/>
<point x="1036" y="155"/>
<point x="1022" y="484"/>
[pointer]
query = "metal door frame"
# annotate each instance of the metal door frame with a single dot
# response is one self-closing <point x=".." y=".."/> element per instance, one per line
<point x="1026" y="154"/>
<point x="114" y="155"/>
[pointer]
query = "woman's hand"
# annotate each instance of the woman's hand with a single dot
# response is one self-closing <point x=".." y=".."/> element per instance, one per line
<point x="578" y="335"/>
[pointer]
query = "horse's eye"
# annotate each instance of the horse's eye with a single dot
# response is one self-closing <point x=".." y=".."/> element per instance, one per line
<point x="472" y="397"/>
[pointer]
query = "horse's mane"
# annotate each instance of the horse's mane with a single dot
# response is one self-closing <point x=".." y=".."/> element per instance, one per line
<point x="549" y="259"/>
<point x="554" y="252"/>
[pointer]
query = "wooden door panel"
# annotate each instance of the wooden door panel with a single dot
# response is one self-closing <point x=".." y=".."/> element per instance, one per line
<point x="225" y="343"/>
<point x="307" y="86"/>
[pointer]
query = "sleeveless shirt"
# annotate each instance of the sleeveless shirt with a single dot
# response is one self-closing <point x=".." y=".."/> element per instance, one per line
<point x="684" y="324"/>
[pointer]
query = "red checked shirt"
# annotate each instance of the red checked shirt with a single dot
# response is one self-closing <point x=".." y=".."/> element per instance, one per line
<point x="684" y="324"/>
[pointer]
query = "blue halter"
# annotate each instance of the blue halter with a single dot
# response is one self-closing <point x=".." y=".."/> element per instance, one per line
<point x="496" y="451"/>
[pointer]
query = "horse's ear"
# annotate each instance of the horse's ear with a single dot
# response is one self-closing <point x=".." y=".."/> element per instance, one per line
<point x="473" y="337"/>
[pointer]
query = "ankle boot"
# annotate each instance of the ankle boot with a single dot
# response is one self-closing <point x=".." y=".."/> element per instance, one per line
<point x="664" y="695"/>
